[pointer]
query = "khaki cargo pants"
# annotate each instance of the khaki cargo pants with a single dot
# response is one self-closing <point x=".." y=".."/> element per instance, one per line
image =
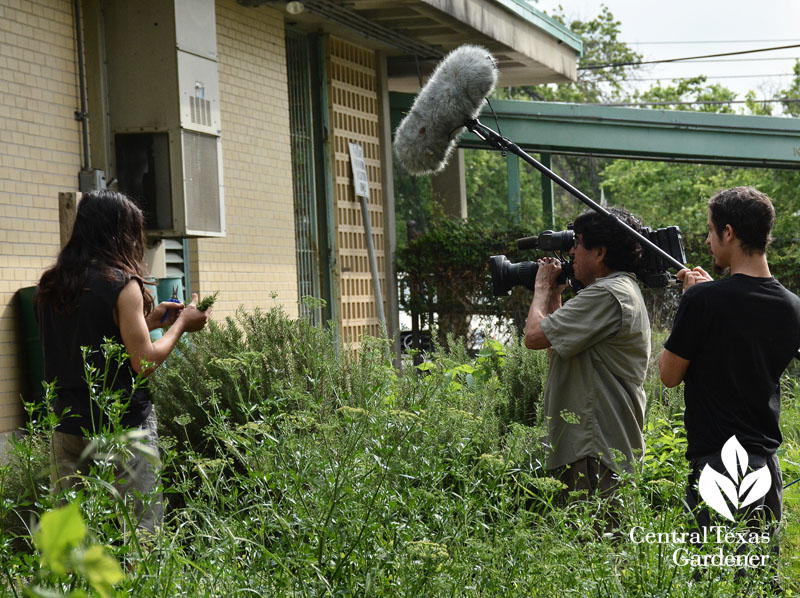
<point x="136" y="476"/>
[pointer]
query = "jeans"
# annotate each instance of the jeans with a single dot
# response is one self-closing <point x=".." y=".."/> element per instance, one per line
<point x="764" y="515"/>
<point x="765" y="511"/>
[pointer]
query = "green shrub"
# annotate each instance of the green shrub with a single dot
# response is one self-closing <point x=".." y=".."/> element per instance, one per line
<point x="24" y="480"/>
<point x="305" y="471"/>
<point x="447" y="273"/>
<point x="524" y="376"/>
<point x="251" y="367"/>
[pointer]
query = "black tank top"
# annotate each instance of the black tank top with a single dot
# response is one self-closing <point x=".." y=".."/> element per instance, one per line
<point x="88" y="325"/>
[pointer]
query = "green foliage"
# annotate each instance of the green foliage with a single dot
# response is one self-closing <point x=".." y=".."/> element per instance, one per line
<point x="221" y="373"/>
<point x="412" y="202"/>
<point x="660" y="193"/>
<point x="59" y="538"/>
<point x="486" y="180"/>
<point x="59" y="532"/>
<point x="793" y="93"/>
<point x="25" y="475"/>
<point x="487" y="192"/>
<point x="71" y="563"/>
<point x="664" y="194"/>
<point x="523" y="377"/>
<point x="601" y="46"/>
<point x="207" y="301"/>
<point x="344" y="478"/>
<point x="694" y="89"/>
<point x="446" y="271"/>
<point x="665" y="467"/>
<point x="755" y="107"/>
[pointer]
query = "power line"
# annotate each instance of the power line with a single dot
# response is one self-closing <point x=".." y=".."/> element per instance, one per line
<point x="756" y="76"/>
<point x="731" y="60"/>
<point x="615" y="64"/>
<point x="700" y="102"/>
<point x="717" y="41"/>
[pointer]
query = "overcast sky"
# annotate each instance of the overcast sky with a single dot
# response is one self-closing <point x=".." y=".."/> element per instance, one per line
<point x="724" y="26"/>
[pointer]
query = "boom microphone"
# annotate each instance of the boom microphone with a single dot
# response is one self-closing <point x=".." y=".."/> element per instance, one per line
<point x="454" y="94"/>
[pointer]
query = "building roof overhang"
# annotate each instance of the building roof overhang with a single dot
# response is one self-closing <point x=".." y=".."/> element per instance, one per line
<point x="530" y="47"/>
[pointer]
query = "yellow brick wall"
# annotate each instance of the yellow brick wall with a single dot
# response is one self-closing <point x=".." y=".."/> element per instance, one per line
<point x="257" y="257"/>
<point x="39" y="156"/>
<point x="41" y="153"/>
<point x="354" y="118"/>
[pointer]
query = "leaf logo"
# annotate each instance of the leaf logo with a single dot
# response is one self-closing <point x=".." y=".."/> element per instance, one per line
<point x="739" y="489"/>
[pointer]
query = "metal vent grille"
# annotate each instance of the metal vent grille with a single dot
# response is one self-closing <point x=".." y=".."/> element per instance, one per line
<point x="174" y="257"/>
<point x="201" y="182"/>
<point x="303" y="176"/>
<point x="354" y="98"/>
<point x="200" y="111"/>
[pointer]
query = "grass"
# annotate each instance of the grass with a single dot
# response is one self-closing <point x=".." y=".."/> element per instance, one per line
<point x="291" y="469"/>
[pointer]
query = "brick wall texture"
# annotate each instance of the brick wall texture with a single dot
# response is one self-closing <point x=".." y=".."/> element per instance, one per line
<point x="41" y="154"/>
<point x="255" y="264"/>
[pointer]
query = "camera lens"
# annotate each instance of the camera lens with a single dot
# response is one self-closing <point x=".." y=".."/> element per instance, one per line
<point x="506" y="275"/>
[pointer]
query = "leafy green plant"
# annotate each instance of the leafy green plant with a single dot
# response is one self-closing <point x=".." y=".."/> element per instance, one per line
<point x="208" y="301"/>
<point x="332" y="474"/>
<point x="61" y="540"/>
<point x="253" y="366"/>
<point x="446" y="273"/>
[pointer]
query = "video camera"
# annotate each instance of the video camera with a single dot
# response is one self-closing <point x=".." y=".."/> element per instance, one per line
<point x="652" y="268"/>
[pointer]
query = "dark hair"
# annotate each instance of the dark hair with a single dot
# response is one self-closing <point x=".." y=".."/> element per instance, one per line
<point x="750" y="214"/>
<point x="108" y="236"/>
<point x="623" y="251"/>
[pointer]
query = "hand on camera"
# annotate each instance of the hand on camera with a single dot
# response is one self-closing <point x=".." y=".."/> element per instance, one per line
<point x="192" y="318"/>
<point x="694" y="276"/>
<point x="548" y="273"/>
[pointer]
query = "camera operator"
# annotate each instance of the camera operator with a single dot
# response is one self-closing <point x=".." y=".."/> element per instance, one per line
<point x="730" y="343"/>
<point x="600" y="339"/>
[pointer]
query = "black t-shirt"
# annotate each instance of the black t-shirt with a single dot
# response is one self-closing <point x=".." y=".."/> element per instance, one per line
<point x="739" y="334"/>
<point x="62" y="337"/>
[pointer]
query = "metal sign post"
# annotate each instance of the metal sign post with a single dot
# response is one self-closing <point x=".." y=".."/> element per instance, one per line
<point x="361" y="184"/>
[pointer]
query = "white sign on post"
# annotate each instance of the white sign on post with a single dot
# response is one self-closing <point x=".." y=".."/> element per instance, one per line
<point x="360" y="179"/>
<point x="361" y="184"/>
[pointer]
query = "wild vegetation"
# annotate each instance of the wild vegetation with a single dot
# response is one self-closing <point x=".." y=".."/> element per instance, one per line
<point x="294" y="469"/>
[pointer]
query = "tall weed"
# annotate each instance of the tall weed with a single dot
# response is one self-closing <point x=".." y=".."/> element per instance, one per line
<point x="294" y="469"/>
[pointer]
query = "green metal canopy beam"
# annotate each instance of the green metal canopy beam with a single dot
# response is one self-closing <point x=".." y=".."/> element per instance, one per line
<point x="668" y="135"/>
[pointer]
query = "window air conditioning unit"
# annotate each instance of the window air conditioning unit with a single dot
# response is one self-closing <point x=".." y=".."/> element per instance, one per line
<point x="163" y="111"/>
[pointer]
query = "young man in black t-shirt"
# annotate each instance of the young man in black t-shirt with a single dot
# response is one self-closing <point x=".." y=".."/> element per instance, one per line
<point x="730" y="342"/>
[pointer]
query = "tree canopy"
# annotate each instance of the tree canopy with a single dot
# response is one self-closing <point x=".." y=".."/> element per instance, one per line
<point x="660" y="193"/>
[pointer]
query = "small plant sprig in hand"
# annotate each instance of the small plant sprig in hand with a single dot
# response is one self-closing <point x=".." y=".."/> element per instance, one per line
<point x="207" y="301"/>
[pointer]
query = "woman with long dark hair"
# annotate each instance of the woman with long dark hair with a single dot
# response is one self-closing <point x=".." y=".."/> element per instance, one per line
<point x="96" y="292"/>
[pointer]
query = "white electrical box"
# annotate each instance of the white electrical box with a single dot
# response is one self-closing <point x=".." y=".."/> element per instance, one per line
<point x="163" y="111"/>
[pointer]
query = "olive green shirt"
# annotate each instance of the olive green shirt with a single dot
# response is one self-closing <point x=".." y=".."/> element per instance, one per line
<point x="594" y="401"/>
